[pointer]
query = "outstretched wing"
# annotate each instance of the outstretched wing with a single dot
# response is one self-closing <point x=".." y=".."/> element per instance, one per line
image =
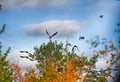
<point x="54" y="34"/>
<point x="23" y="51"/>
<point x="23" y="56"/>
<point x="68" y="44"/>
<point x="74" y="48"/>
<point x="47" y="33"/>
<point x="3" y="28"/>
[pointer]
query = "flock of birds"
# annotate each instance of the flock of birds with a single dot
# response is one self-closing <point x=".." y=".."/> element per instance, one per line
<point x="50" y="37"/>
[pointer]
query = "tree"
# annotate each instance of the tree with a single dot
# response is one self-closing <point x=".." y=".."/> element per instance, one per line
<point x="46" y="53"/>
<point x="5" y="69"/>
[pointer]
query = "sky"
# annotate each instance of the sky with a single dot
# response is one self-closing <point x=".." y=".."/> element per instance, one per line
<point x="27" y="20"/>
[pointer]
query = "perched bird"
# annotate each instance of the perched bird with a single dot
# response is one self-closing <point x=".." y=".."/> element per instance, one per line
<point x="3" y="28"/>
<point x="81" y="38"/>
<point x="24" y="51"/>
<point x="101" y="16"/>
<point x="50" y="36"/>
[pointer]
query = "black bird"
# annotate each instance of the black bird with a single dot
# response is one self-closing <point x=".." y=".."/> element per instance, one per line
<point x="81" y="38"/>
<point x="23" y="56"/>
<point x="68" y="44"/>
<point x="113" y="55"/>
<point x="74" y="48"/>
<point x="26" y="57"/>
<point x="24" y="51"/>
<point x="30" y="59"/>
<point x="50" y="36"/>
<point x="101" y="16"/>
<point x="3" y="28"/>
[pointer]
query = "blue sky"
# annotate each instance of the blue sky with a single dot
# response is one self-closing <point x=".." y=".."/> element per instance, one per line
<point x="71" y="18"/>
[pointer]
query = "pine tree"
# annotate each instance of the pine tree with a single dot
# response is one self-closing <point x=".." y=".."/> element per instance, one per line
<point x="5" y="69"/>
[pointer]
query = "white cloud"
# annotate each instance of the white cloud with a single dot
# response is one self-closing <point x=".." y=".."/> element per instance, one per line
<point x="19" y="4"/>
<point x="14" y="58"/>
<point x="102" y="64"/>
<point x="64" y="28"/>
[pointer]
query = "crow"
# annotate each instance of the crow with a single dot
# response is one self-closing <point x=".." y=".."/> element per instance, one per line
<point x="50" y="36"/>
<point x="3" y="28"/>
<point x="81" y="38"/>
<point x="101" y="16"/>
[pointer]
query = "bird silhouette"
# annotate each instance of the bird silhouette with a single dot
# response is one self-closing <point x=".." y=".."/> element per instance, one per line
<point x="74" y="48"/>
<point x="81" y="38"/>
<point x="50" y="36"/>
<point x="24" y="51"/>
<point x="68" y="44"/>
<point x="23" y="56"/>
<point x="26" y="57"/>
<point x="3" y="28"/>
<point x="101" y="16"/>
<point x="113" y="55"/>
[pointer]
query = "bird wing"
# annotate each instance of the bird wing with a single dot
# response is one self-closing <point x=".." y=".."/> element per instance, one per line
<point x="23" y="56"/>
<point x="75" y="47"/>
<point x="68" y="44"/>
<point x="21" y="51"/>
<point x="54" y="34"/>
<point x="24" y="51"/>
<point x="47" y="33"/>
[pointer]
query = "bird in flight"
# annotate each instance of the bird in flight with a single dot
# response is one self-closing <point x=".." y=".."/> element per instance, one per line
<point x="74" y="48"/>
<point x="3" y="28"/>
<point x="81" y="38"/>
<point x="101" y="16"/>
<point x="24" y="51"/>
<point x="50" y="36"/>
<point x="26" y="57"/>
<point x="68" y="44"/>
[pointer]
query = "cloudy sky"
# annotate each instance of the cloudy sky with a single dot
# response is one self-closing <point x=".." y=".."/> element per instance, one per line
<point x="27" y="20"/>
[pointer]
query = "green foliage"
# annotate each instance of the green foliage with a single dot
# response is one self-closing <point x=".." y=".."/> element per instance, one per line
<point x="5" y="70"/>
<point x="52" y="51"/>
